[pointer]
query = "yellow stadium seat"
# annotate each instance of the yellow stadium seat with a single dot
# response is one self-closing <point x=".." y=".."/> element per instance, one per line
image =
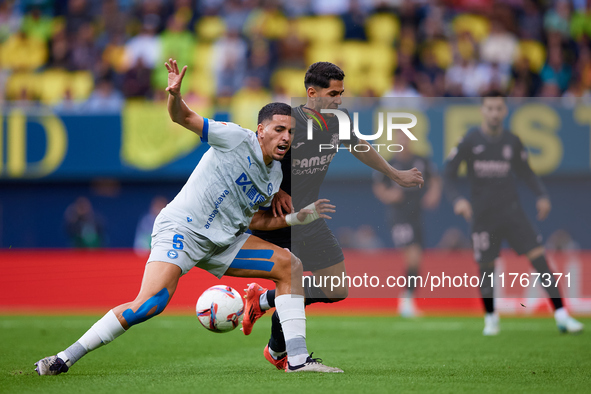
<point x="381" y="57"/>
<point x="291" y="80"/>
<point x="210" y="28"/>
<point x="22" y="85"/>
<point x="202" y="56"/>
<point x="443" y="53"/>
<point x="321" y="29"/>
<point x="82" y="84"/>
<point x="478" y="26"/>
<point x="324" y="53"/>
<point x="379" y="82"/>
<point x="353" y="56"/>
<point x="382" y="28"/>
<point x="53" y="86"/>
<point x="245" y="104"/>
<point x="203" y="83"/>
<point x="535" y="52"/>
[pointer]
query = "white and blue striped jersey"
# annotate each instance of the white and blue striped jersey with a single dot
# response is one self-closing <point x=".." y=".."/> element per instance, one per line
<point x="229" y="184"/>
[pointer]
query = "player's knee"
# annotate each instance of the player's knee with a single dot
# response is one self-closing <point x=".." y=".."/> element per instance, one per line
<point x="283" y="264"/>
<point x="141" y="309"/>
<point x="296" y="265"/>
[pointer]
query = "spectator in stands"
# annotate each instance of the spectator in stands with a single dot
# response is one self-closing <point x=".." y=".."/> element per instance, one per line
<point x="177" y="43"/>
<point x="229" y="61"/>
<point x="36" y="24"/>
<point x="557" y="18"/>
<point x="500" y="46"/>
<point x="24" y="53"/>
<point x="555" y="71"/>
<point x="105" y="98"/>
<point x="146" y="45"/>
<point x="79" y="14"/>
<point x="527" y="82"/>
<point x="84" y="53"/>
<point x="354" y="22"/>
<point x="10" y="20"/>
<point x="581" y="23"/>
<point x="531" y="26"/>
<point x="137" y="81"/>
<point x="84" y="228"/>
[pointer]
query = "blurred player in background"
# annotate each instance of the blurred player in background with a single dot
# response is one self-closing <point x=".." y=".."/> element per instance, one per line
<point x="304" y="169"/>
<point x="205" y="226"/>
<point x="143" y="232"/>
<point x="494" y="156"/>
<point x="405" y="206"/>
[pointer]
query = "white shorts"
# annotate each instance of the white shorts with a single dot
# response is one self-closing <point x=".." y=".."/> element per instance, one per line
<point x="175" y="244"/>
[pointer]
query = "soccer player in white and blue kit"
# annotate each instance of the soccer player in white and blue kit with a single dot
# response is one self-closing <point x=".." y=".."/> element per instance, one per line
<point x="204" y="226"/>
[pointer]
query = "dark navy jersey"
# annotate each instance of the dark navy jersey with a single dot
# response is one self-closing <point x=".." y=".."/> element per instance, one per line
<point x="410" y="206"/>
<point x="493" y="163"/>
<point x="305" y="166"/>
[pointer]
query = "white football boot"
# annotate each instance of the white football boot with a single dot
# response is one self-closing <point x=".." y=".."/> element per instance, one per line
<point x="566" y="323"/>
<point x="491" y="324"/>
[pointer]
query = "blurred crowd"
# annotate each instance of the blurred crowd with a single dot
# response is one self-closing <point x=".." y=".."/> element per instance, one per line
<point x="94" y="55"/>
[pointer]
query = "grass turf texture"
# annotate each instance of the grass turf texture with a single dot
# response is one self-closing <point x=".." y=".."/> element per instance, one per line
<point x="173" y="354"/>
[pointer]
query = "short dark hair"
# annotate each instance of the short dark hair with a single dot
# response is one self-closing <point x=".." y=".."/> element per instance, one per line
<point x="267" y="112"/>
<point x="492" y="94"/>
<point x="321" y="73"/>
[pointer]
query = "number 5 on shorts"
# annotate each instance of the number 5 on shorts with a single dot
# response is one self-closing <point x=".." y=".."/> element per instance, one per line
<point x="177" y="242"/>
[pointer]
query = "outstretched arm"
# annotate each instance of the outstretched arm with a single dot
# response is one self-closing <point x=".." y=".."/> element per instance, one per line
<point x="371" y="158"/>
<point x="450" y="174"/>
<point x="265" y="221"/>
<point x="177" y="109"/>
<point x="523" y="170"/>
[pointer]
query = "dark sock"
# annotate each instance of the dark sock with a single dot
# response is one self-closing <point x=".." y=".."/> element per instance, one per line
<point x="489" y="305"/>
<point x="271" y="298"/>
<point x="486" y="290"/>
<point x="541" y="265"/>
<point x="411" y="283"/>
<point x="277" y="341"/>
<point x="314" y="294"/>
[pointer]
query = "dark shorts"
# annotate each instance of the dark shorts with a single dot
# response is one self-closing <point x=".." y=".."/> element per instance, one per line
<point x="317" y="248"/>
<point x="407" y="232"/>
<point x="510" y="224"/>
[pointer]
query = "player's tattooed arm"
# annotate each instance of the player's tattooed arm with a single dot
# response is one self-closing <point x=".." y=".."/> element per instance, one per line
<point x="265" y="221"/>
<point x="177" y="108"/>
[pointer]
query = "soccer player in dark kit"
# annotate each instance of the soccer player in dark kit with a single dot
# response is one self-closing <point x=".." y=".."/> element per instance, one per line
<point x="495" y="156"/>
<point x="405" y="207"/>
<point x="304" y="168"/>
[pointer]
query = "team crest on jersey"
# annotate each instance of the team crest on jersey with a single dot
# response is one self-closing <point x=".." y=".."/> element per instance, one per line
<point x="173" y="254"/>
<point x="478" y="149"/>
<point x="507" y="152"/>
<point x="270" y="189"/>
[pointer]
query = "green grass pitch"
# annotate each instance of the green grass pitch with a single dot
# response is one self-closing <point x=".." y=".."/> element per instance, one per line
<point x="174" y="354"/>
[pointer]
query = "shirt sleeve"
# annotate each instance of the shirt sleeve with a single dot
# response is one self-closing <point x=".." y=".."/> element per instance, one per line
<point x="450" y="173"/>
<point x="223" y="136"/>
<point x="522" y="169"/>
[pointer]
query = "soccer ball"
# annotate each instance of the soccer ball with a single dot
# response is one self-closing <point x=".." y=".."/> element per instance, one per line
<point x="220" y="308"/>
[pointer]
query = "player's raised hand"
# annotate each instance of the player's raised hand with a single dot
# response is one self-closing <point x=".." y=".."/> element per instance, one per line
<point x="174" y="77"/>
<point x="318" y="211"/>
<point x="544" y="207"/>
<point x="281" y="202"/>
<point x="410" y="178"/>
<point x="464" y="208"/>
